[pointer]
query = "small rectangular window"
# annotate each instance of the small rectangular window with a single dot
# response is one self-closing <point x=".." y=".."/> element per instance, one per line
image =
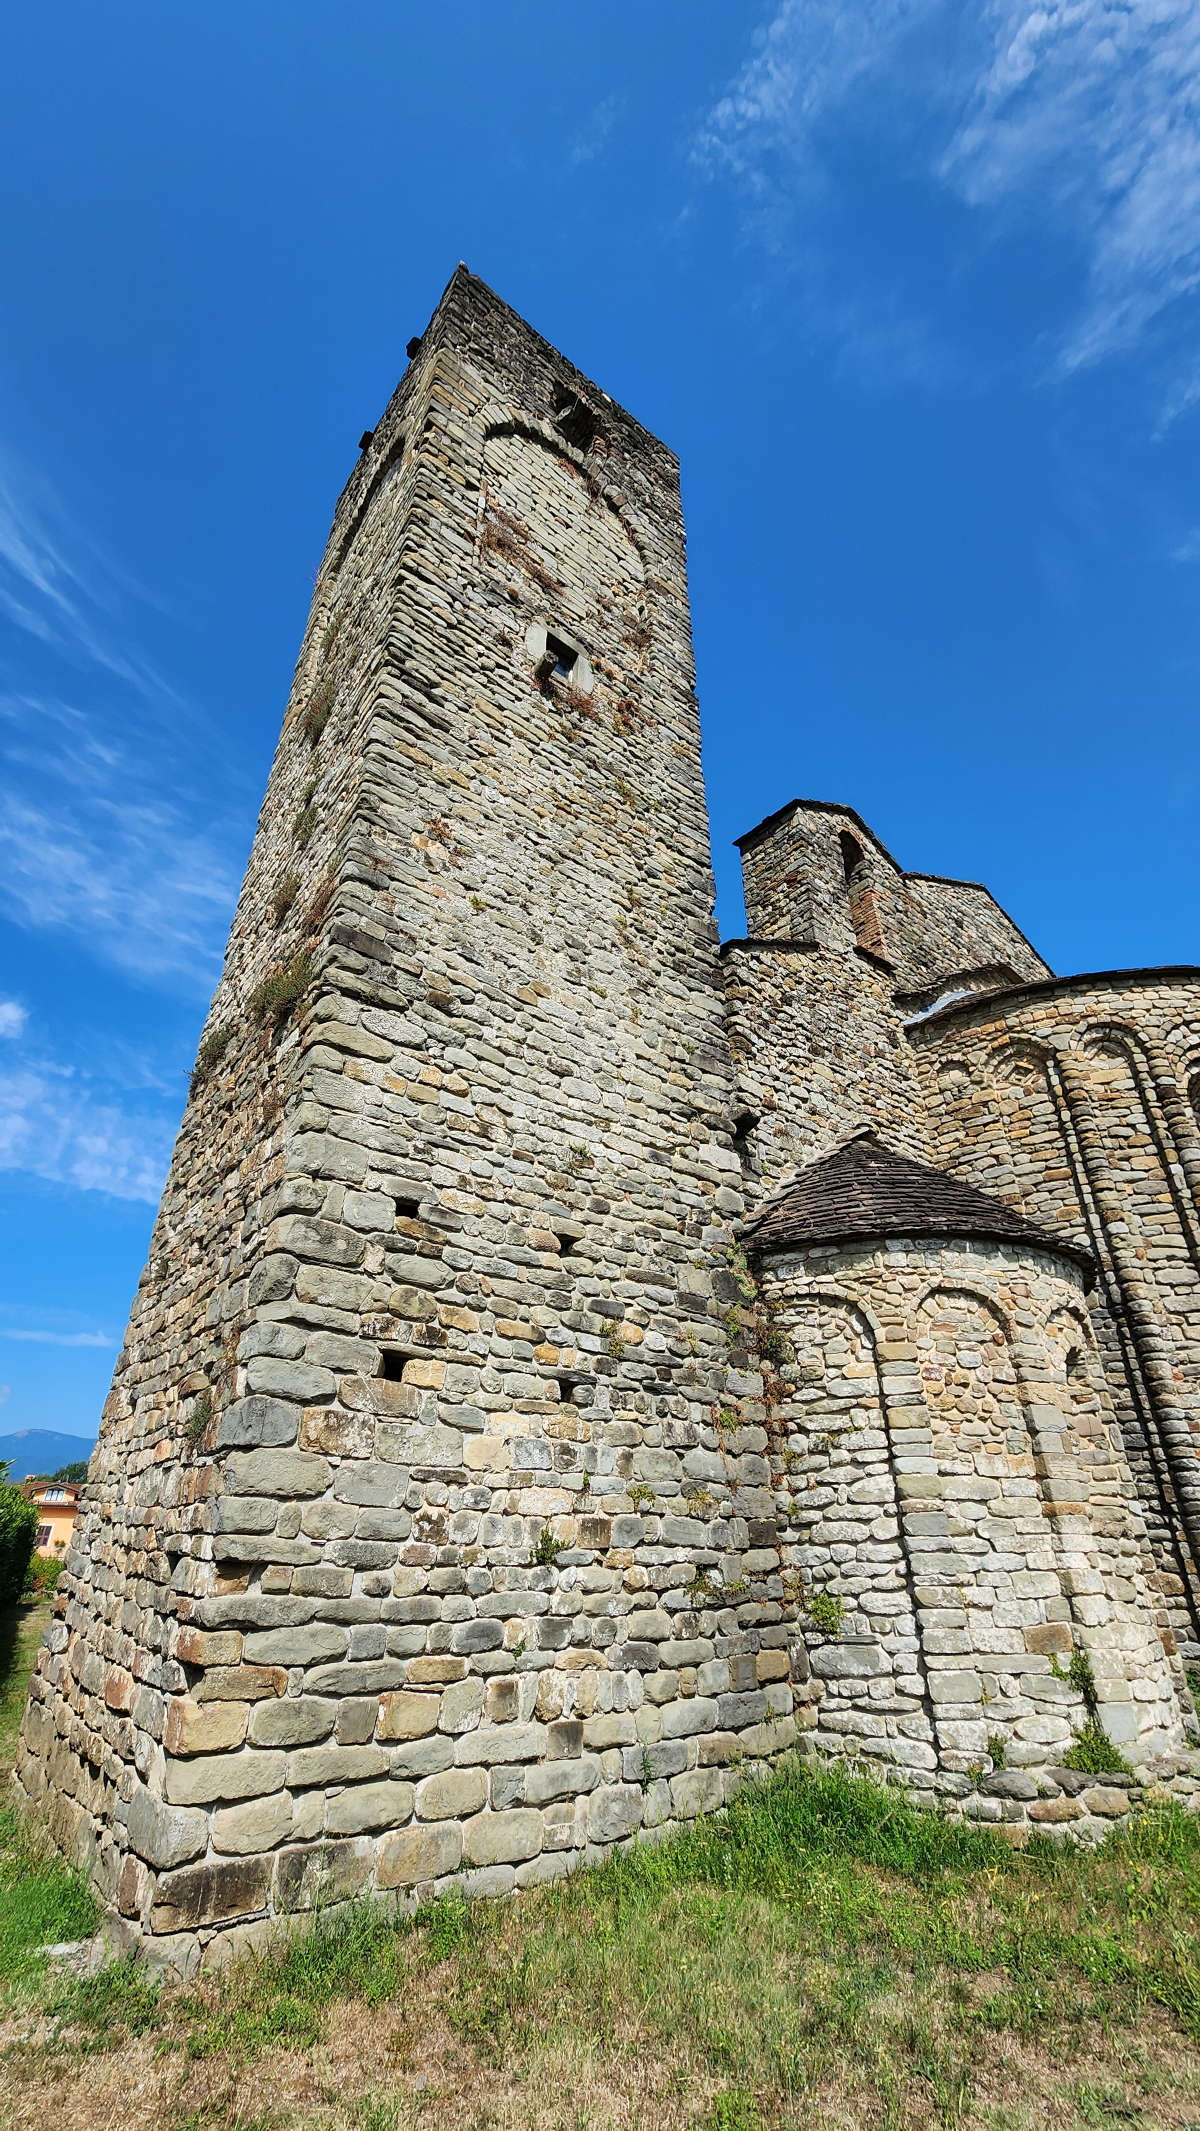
<point x="408" y="1209"/>
<point x="391" y="1363"/>
<point x="561" y="660"/>
<point x="43" y="1535"/>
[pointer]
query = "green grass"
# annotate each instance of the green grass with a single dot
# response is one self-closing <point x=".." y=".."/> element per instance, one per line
<point x="42" y="1901"/>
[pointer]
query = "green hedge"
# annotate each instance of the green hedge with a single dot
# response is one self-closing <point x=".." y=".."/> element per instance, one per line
<point x="18" y="1532"/>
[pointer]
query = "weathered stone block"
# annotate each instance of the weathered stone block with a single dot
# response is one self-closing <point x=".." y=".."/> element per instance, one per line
<point x="164" y="1835"/>
<point x="502" y="1838"/>
<point x="204" y="1727"/>
<point x="453" y="1795"/>
<point x="204" y="1894"/>
<point x="614" y="1812"/>
<point x="260" y="1824"/>
<point x="294" y="1721"/>
<point x="318" y="1874"/>
<point x="245" y="1774"/>
<point x="369" y="1806"/>
<point x="285" y="1473"/>
<point x="422" y="1853"/>
<point x="403" y="1715"/>
<point x="256" y="1423"/>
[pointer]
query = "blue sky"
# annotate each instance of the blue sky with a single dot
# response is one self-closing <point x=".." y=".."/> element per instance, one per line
<point x="913" y="290"/>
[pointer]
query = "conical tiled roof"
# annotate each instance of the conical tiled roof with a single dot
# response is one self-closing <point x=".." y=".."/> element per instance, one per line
<point x="864" y="1189"/>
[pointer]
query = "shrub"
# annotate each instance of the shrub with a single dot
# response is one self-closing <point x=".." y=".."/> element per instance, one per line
<point x="212" y="1048"/>
<point x="303" y="826"/>
<point x="827" y="1612"/>
<point x="199" y="1418"/>
<point x="18" y="1533"/>
<point x="43" y="1576"/>
<point x="284" y="896"/>
<point x="1092" y="1750"/>
<point x="274" y="998"/>
<point x="317" y="713"/>
<point x="320" y="903"/>
<point x="548" y="1548"/>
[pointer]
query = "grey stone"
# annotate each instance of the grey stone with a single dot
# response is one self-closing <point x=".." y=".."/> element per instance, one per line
<point x="255" y="1422"/>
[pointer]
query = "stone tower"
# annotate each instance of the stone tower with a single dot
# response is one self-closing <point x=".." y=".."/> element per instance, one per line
<point x="477" y="1487"/>
<point x="412" y="1542"/>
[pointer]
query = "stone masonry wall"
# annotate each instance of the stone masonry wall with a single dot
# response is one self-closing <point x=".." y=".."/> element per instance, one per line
<point x="448" y="1564"/>
<point x="1072" y="1102"/>
<point x="818" y="1049"/>
<point x="927" y="931"/>
<point x="957" y="1520"/>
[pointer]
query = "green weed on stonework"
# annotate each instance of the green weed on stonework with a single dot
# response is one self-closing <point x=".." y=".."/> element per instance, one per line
<point x="212" y="1049"/>
<point x="272" y="1000"/>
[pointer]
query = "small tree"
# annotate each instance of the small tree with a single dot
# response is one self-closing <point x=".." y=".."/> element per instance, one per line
<point x="18" y="1535"/>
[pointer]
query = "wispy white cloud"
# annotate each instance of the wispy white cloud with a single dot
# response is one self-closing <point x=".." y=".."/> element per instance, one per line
<point x="5" y="1394"/>
<point x="55" y="585"/>
<point x="593" y="135"/>
<point x="1090" y="111"/>
<point x="13" y="1017"/>
<point x="56" y="1125"/>
<point x="1078" y="117"/>
<point x="60" y="1339"/>
<point x="113" y="858"/>
<point x="115" y="807"/>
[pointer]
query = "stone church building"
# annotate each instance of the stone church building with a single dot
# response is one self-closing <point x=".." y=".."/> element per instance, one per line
<point x="579" y="1362"/>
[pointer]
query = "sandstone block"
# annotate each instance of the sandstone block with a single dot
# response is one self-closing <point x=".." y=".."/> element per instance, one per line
<point x="369" y="1806"/>
<point x="314" y="1644"/>
<point x="502" y="1838"/>
<point x="461" y="1705"/>
<point x="203" y="1894"/>
<point x="204" y="1727"/>
<point x="256" y="1423"/>
<point x="418" y="1854"/>
<point x="240" y="1683"/>
<point x="1106" y="1801"/>
<point x="245" y="1774"/>
<point x="403" y="1715"/>
<point x="290" y="1474"/>
<point x="320" y="1873"/>
<point x="335" y="1764"/>
<point x="453" y="1795"/>
<point x="165" y="1835"/>
<point x="194" y="1647"/>
<point x="260" y="1824"/>
<point x="297" y="1720"/>
<point x="614" y="1812"/>
<point x="508" y="1742"/>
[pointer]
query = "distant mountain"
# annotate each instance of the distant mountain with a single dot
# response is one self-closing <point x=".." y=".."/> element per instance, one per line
<point x="42" y="1450"/>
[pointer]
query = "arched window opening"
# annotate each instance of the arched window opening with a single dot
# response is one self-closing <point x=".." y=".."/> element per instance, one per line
<point x="864" y="909"/>
<point x="852" y="855"/>
<point x="1076" y="1365"/>
<point x="743" y="1128"/>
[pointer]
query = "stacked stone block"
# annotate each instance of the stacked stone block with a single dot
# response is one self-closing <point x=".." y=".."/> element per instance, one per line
<point x="958" y="1521"/>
